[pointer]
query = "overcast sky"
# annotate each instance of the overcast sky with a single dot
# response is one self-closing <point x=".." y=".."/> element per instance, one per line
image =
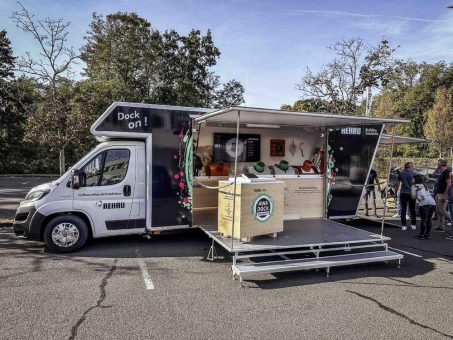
<point x="267" y="45"/>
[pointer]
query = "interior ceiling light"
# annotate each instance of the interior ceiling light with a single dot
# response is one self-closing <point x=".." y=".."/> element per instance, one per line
<point x="267" y="126"/>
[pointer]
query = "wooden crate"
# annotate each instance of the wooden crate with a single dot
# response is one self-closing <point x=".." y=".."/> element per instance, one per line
<point x="304" y="197"/>
<point x="259" y="209"/>
<point x="204" y="198"/>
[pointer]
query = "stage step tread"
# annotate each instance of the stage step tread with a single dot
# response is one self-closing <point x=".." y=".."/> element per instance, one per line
<point x="313" y="263"/>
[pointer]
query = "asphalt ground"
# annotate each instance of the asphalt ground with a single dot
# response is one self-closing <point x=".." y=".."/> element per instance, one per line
<point x="13" y="190"/>
<point x="134" y="288"/>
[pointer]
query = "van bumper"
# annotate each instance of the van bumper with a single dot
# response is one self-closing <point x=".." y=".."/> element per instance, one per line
<point x="28" y="222"/>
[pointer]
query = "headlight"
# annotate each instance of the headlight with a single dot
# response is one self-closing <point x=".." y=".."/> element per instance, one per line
<point x="36" y="195"/>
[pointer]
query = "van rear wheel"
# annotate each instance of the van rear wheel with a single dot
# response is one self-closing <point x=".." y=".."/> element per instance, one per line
<point x="66" y="233"/>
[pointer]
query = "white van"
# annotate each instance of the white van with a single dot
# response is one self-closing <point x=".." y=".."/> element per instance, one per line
<point x="125" y="185"/>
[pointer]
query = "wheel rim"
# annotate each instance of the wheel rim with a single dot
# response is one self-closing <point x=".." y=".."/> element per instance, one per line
<point x="65" y="235"/>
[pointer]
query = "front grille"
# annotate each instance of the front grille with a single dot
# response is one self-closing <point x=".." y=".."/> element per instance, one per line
<point x="21" y="217"/>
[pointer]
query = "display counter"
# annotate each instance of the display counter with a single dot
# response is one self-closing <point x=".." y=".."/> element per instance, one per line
<point x="303" y="197"/>
<point x="258" y="209"/>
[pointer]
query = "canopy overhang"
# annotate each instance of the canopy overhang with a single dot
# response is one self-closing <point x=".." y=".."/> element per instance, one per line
<point x="271" y="118"/>
<point x="388" y="139"/>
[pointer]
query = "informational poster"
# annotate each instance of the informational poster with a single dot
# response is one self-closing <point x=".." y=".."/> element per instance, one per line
<point x="249" y="147"/>
<point x="350" y="153"/>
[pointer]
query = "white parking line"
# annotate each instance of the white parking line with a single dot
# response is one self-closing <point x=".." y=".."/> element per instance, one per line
<point x="34" y="179"/>
<point x="145" y="275"/>
<point x="406" y="252"/>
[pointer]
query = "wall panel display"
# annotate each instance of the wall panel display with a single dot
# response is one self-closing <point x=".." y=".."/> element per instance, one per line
<point x="249" y="147"/>
<point x="350" y="153"/>
<point x="303" y="198"/>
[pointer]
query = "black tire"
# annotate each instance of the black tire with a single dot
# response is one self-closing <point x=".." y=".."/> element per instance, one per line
<point x="77" y="222"/>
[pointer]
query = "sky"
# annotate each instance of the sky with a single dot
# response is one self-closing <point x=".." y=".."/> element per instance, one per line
<point x="267" y="45"/>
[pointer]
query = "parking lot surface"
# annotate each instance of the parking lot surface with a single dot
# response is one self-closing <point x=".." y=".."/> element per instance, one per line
<point x="135" y="288"/>
<point x="13" y="190"/>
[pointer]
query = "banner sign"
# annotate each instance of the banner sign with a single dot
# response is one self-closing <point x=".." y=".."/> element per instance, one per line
<point x="127" y="119"/>
<point x="350" y="153"/>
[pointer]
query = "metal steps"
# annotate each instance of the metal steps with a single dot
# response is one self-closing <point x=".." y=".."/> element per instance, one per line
<point x="249" y="269"/>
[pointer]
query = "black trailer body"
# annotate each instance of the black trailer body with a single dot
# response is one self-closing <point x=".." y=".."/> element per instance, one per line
<point x="167" y="132"/>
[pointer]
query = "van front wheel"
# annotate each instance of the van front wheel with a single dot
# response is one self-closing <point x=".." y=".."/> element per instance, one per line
<point x="66" y="233"/>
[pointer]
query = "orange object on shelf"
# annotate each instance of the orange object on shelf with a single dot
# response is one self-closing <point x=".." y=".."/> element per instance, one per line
<point x="307" y="166"/>
<point x="219" y="169"/>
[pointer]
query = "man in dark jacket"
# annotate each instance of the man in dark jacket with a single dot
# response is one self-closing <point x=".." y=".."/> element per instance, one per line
<point x="442" y="186"/>
<point x="405" y="184"/>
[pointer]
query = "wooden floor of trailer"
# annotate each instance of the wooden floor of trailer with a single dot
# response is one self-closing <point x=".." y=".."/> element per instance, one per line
<point x="298" y="234"/>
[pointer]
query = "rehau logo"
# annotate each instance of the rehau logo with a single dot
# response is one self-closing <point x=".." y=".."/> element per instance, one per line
<point x="118" y="205"/>
<point x="351" y="131"/>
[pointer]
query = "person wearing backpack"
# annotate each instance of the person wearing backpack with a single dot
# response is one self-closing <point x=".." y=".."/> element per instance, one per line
<point x="426" y="206"/>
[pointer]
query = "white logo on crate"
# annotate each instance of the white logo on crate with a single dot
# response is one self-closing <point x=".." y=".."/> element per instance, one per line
<point x="262" y="208"/>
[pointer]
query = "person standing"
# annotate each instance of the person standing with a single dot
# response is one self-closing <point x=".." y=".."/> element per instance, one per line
<point x="443" y="185"/>
<point x="426" y="206"/>
<point x="436" y="174"/>
<point x="404" y="184"/>
<point x="450" y="204"/>
<point x="370" y="190"/>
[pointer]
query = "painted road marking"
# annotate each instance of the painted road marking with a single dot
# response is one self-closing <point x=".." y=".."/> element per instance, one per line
<point x="406" y="252"/>
<point x="145" y="274"/>
<point x="34" y="179"/>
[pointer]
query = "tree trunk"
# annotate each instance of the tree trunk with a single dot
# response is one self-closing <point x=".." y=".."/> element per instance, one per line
<point x="62" y="161"/>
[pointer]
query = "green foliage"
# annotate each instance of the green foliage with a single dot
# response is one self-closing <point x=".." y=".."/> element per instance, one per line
<point x="231" y="94"/>
<point x="439" y="122"/>
<point x="6" y="57"/>
<point x="45" y="116"/>
<point x="149" y="66"/>
<point x="308" y="105"/>
<point x="410" y="94"/>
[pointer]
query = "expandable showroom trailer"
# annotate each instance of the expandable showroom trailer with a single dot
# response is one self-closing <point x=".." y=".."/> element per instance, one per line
<point x="256" y="181"/>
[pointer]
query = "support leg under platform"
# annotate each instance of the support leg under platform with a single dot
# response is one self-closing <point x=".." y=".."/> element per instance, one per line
<point x="212" y="255"/>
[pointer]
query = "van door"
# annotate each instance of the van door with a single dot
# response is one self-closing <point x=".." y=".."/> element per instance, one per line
<point x="108" y="192"/>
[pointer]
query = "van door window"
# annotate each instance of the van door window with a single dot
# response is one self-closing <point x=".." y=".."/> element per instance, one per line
<point x="93" y="170"/>
<point x="107" y="168"/>
<point x="115" y="168"/>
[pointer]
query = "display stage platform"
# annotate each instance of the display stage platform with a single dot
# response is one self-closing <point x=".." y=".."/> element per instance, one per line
<point x="322" y="243"/>
<point x="307" y="233"/>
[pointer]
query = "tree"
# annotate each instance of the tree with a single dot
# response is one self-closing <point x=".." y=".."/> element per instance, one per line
<point x="6" y="57"/>
<point x="231" y="94"/>
<point x="122" y="49"/>
<point x="439" y="122"/>
<point x="342" y="81"/>
<point x="8" y="120"/>
<point x="308" y="105"/>
<point x="149" y="66"/>
<point x="410" y="93"/>
<point x="50" y="69"/>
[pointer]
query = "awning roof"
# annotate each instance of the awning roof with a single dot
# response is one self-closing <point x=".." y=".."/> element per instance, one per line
<point x="387" y="139"/>
<point x="250" y="115"/>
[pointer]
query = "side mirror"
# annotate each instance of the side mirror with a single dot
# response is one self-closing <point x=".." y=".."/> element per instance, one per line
<point x="78" y="179"/>
<point x="75" y="179"/>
